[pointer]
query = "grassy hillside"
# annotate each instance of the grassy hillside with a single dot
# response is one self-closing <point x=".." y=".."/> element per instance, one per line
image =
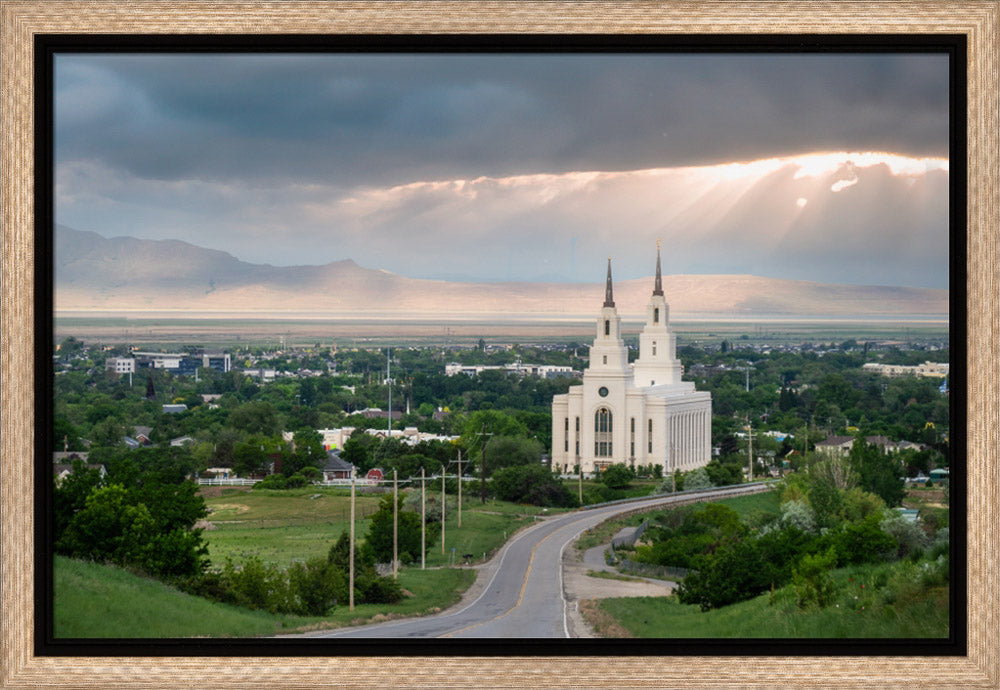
<point x="93" y="600"/>
<point x="765" y="502"/>
<point x="100" y="601"/>
<point x="873" y="601"/>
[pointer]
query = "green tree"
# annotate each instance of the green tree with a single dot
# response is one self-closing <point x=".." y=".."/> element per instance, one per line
<point x="70" y="495"/>
<point x="250" y="457"/>
<point x="510" y="451"/>
<point x="534" y="484"/>
<point x="736" y="571"/>
<point x="878" y="472"/>
<point x="380" y="532"/>
<point x="256" y="418"/>
<point x="308" y="452"/>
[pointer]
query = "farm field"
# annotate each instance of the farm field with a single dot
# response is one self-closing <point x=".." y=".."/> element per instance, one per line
<point x="235" y="330"/>
<point x="282" y="527"/>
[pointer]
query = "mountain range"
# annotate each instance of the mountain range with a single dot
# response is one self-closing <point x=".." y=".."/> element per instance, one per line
<point x="94" y="273"/>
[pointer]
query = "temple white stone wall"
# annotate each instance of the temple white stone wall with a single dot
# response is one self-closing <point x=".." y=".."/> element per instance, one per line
<point x="636" y="414"/>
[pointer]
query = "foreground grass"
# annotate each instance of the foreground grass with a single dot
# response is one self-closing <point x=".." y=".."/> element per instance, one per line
<point x="856" y="613"/>
<point x="92" y="600"/>
<point x="99" y="601"/>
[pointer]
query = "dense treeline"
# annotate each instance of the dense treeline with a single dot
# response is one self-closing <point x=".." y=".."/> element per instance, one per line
<point x="808" y="394"/>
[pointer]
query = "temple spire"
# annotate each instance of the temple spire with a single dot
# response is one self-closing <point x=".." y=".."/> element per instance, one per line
<point x="609" y="298"/>
<point x="658" y="285"/>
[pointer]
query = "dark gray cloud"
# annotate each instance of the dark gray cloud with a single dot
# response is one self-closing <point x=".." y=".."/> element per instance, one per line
<point x="446" y="165"/>
<point x="384" y="119"/>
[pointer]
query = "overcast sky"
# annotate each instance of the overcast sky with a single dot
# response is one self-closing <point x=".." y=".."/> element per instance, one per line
<point x="518" y="167"/>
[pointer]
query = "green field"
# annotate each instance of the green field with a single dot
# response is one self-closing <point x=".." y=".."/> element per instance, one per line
<point x="282" y="527"/>
<point x="167" y="329"/>
<point x="860" y="610"/>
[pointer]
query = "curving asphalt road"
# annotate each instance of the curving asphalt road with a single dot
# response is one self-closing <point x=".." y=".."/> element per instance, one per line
<point x="524" y="596"/>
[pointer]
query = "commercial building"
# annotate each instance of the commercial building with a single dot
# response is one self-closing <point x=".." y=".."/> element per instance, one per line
<point x="546" y="371"/>
<point x="183" y="364"/>
<point x="928" y="369"/>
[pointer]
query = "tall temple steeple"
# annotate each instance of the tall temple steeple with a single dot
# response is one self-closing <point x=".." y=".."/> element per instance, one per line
<point x="658" y="285"/>
<point x="609" y="353"/>
<point x="657" y="363"/>
<point x="609" y="298"/>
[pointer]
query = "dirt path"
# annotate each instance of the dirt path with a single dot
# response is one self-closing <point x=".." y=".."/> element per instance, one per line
<point x="583" y="591"/>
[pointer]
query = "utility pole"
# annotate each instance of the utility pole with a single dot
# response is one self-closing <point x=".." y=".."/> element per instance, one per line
<point x="459" y="487"/>
<point x="350" y="585"/>
<point x="423" y="521"/>
<point x="395" y="526"/>
<point x="442" y="510"/>
<point x="482" y="467"/>
<point x="388" y="382"/>
<point x="750" y="447"/>
<point x="673" y="468"/>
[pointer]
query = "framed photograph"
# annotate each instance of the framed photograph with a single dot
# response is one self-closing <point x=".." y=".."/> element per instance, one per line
<point x="515" y="163"/>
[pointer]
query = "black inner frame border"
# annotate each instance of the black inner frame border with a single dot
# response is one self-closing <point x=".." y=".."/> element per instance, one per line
<point x="47" y="46"/>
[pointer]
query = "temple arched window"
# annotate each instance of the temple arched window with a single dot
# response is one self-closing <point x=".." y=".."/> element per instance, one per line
<point x="602" y="432"/>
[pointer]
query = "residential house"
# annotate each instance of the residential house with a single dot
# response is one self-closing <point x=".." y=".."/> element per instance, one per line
<point x="336" y="468"/>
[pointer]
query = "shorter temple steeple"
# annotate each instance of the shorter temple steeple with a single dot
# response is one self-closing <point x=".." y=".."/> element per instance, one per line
<point x="609" y="298"/>
<point x="658" y="285"/>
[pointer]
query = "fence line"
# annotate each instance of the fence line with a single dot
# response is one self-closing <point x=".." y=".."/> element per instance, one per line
<point x="232" y="481"/>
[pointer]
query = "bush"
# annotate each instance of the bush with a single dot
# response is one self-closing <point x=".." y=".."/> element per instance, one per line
<point x="908" y="535"/>
<point x="617" y="476"/>
<point x="735" y="572"/>
<point x="697" y="480"/>
<point x="380" y="531"/>
<point x="799" y="515"/>
<point x="534" y="484"/>
<point x="280" y="482"/>
<point x="863" y="542"/>
<point x="813" y="583"/>
<point x="317" y="586"/>
<point x="258" y="586"/>
<point x="375" y="589"/>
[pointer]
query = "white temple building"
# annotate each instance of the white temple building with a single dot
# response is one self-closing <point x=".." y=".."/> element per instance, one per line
<point x="636" y="414"/>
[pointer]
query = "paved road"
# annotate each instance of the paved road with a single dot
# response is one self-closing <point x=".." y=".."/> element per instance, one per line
<point x="524" y="596"/>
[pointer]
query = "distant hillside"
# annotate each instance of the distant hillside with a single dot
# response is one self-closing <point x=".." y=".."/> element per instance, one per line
<point x="125" y="273"/>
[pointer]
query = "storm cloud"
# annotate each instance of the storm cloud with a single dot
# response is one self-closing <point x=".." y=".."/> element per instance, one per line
<point x="297" y="158"/>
